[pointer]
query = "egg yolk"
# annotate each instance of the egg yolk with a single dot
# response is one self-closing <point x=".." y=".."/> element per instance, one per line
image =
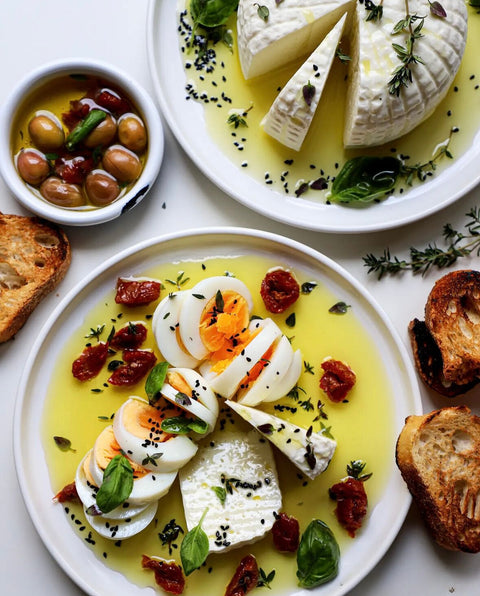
<point x="106" y="448"/>
<point x="144" y="420"/>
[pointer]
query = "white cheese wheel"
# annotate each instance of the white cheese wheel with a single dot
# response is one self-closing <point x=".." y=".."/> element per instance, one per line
<point x="290" y="116"/>
<point x="374" y="115"/>
<point x="293" y="29"/>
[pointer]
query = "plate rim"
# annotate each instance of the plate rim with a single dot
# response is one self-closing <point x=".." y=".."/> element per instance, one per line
<point x="436" y="188"/>
<point x="115" y="260"/>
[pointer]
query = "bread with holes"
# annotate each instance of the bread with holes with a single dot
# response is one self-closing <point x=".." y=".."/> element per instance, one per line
<point x="34" y="257"/>
<point x="438" y="455"/>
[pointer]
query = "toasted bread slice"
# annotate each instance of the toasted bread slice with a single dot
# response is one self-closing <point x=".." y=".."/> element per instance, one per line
<point x="452" y="315"/>
<point x="429" y="363"/>
<point x="34" y="257"/>
<point x="439" y="458"/>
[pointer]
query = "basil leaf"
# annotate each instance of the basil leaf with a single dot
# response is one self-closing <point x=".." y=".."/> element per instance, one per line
<point x="117" y="484"/>
<point x="180" y="425"/>
<point x="194" y="548"/>
<point x="212" y="13"/>
<point x="364" y="179"/>
<point x="155" y="381"/>
<point x="221" y="493"/>
<point x="318" y="555"/>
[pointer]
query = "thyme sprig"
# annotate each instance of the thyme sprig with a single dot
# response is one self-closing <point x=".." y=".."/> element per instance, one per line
<point x="375" y="11"/>
<point x="458" y="244"/>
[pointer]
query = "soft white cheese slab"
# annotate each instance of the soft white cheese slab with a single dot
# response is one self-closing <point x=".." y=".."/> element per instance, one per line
<point x="311" y="453"/>
<point x="290" y="116"/>
<point x="293" y="29"/>
<point x="246" y="461"/>
<point x="375" y="116"/>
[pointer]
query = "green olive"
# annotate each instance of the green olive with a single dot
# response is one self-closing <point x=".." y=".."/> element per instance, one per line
<point x="101" y="188"/>
<point x="132" y="132"/>
<point x="55" y="191"/>
<point x="122" y="163"/>
<point x="102" y="134"/>
<point x="32" y="166"/>
<point x="46" y="131"/>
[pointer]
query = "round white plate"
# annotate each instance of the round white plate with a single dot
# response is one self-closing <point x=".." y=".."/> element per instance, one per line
<point x="70" y="551"/>
<point x="186" y="120"/>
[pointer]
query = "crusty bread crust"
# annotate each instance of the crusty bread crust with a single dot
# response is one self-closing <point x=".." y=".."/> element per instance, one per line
<point x="34" y="257"/>
<point x="452" y="315"/>
<point x="438" y="455"/>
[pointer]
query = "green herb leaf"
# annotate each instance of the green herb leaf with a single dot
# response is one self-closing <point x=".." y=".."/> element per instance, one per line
<point x="437" y="9"/>
<point x="262" y="11"/>
<point x="219" y="303"/>
<point x="264" y="579"/>
<point x="212" y="13"/>
<point x="375" y="12"/>
<point x="63" y="444"/>
<point x="339" y="308"/>
<point x="308" y="287"/>
<point x="291" y="320"/>
<point x="221" y="493"/>
<point x="170" y="533"/>
<point x="355" y="470"/>
<point x="181" y="425"/>
<point x="194" y="548"/>
<point x="117" y="484"/>
<point x="365" y="179"/>
<point x="155" y="381"/>
<point x="308" y="92"/>
<point x="84" y="128"/>
<point x="318" y="555"/>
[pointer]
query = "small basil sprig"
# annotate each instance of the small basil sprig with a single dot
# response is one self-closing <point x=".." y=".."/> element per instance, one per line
<point x="84" y="128"/>
<point x="318" y="555"/>
<point x="364" y="179"/>
<point x="194" y="548"/>
<point x="181" y="425"/>
<point x="155" y="381"/>
<point x="211" y="13"/>
<point x="117" y="484"/>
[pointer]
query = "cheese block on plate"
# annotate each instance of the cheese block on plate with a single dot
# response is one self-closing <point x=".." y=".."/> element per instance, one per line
<point x="291" y="114"/>
<point x="310" y="451"/>
<point x="374" y="115"/>
<point x="292" y="29"/>
<point x="234" y="476"/>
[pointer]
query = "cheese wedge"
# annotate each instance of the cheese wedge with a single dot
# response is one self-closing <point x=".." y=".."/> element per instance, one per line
<point x="311" y="452"/>
<point x="291" y="114"/>
<point x="292" y="29"/>
<point x="374" y="115"/>
<point x="235" y="478"/>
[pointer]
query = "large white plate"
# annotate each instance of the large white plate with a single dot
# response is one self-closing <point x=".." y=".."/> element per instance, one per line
<point x="185" y="119"/>
<point x="66" y="547"/>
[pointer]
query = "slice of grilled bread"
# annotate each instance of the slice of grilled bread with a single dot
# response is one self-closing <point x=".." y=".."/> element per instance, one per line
<point x="438" y="455"/>
<point x="452" y="315"/>
<point x="34" y="257"/>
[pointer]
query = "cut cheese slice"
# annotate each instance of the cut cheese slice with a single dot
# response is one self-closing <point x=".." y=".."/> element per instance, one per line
<point x="293" y="29"/>
<point x="290" y="116"/>
<point x="374" y="115"/>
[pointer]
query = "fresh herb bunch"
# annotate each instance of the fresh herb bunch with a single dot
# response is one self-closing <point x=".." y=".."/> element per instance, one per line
<point x="402" y="75"/>
<point x="458" y="244"/>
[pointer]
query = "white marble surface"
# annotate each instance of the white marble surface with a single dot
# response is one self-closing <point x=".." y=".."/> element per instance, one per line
<point x="115" y="30"/>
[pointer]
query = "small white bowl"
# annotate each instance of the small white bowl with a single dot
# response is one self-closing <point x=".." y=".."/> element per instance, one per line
<point x="142" y="102"/>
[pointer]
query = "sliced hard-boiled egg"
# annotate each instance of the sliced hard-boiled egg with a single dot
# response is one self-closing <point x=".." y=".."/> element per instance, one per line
<point x="147" y="486"/>
<point x="137" y="430"/>
<point x="271" y="369"/>
<point x="119" y="529"/>
<point x="288" y="381"/>
<point x="229" y="375"/>
<point x="214" y="315"/>
<point x="166" y="328"/>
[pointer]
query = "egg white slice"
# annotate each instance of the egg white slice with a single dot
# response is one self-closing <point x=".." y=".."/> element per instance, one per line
<point x="147" y="488"/>
<point x="119" y="529"/>
<point x="87" y="493"/>
<point x="190" y="405"/>
<point x="289" y="379"/>
<point x="196" y="301"/>
<point x="200" y="388"/>
<point x="143" y="444"/>
<point x="267" y="381"/>
<point x="165" y="326"/>
<point x="227" y="382"/>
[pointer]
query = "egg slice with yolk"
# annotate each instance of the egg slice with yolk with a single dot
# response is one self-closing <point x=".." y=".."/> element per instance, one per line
<point x="119" y="529"/>
<point x="137" y="429"/>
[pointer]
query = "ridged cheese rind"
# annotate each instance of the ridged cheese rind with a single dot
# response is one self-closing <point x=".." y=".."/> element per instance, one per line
<point x="375" y="116"/>
<point x="290" y="117"/>
<point x="293" y="29"/>
<point x="247" y="513"/>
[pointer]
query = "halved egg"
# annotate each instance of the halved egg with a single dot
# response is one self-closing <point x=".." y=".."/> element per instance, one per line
<point x="165" y="325"/>
<point x="214" y="316"/>
<point x="119" y="529"/>
<point x="137" y="429"/>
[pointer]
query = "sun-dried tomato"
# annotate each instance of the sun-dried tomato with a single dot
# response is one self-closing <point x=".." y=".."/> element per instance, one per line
<point x="286" y="533"/>
<point x="132" y="292"/>
<point x="78" y="111"/>
<point x="131" y="336"/>
<point x="67" y="494"/>
<point x="74" y="171"/>
<point x="137" y="364"/>
<point x="90" y="362"/>
<point x="279" y="290"/>
<point x="168" y="574"/>
<point x="113" y="103"/>
<point x="337" y="379"/>
<point x="351" y="503"/>
<point x="245" y="577"/>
